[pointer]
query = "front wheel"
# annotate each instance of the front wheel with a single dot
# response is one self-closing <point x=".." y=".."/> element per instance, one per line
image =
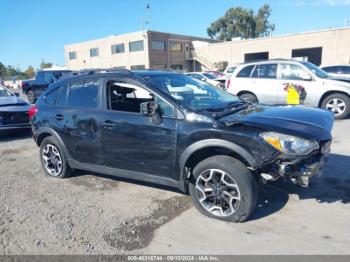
<point x="337" y="103"/>
<point x="222" y="187"/>
<point x="249" y="97"/>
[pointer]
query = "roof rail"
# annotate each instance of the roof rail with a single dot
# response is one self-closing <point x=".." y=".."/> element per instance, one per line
<point x="95" y="71"/>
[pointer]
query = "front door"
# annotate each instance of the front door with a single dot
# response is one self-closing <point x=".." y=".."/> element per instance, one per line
<point x="133" y="141"/>
<point x="296" y="85"/>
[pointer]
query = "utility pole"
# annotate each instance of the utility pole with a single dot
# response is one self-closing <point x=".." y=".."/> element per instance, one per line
<point x="146" y="21"/>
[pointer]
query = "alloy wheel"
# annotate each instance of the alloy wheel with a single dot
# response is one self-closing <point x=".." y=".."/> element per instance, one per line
<point x="336" y="105"/>
<point x="52" y="160"/>
<point x="217" y="192"/>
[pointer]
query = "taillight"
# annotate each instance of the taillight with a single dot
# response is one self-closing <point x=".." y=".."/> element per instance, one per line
<point x="24" y="85"/>
<point x="32" y="112"/>
<point x="228" y="83"/>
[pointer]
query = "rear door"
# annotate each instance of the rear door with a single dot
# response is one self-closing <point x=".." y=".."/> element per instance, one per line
<point x="133" y="141"/>
<point x="264" y="84"/>
<point x="76" y="119"/>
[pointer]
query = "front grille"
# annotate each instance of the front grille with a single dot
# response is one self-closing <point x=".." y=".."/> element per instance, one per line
<point x="8" y="118"/>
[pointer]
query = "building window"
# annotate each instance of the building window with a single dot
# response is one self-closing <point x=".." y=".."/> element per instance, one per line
<point x="158" y="45"/>
<point x="159" y="66"/>
<point x="176" y="67"/>
<point x="175" y="46"/>
<point x="94" y="52"/>
<point x="72" y="55"/>
<point x="136" y="46"/>
<point x="117" y="49"/>
<point x="137" y="67"/>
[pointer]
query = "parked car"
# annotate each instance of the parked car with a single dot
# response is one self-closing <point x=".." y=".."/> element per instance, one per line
<point x="167" y="128"/>
<point x="14" y="111"/>
<point x="269" y="82"/>
<point x="218" y="74"/>
<point x="34" y="88"/>
<point x="338" y="70"/>
<point x="209" y="78"/>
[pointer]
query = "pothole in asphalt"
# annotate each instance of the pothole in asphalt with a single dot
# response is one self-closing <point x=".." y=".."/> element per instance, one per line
<point x="138" y="232"/>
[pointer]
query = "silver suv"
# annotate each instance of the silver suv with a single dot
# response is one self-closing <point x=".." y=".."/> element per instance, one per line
<point x="269" y="81"/>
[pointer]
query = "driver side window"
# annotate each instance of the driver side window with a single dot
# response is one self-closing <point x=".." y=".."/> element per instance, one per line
<point x="127" y="97"/>
<point x="292" y="72"/>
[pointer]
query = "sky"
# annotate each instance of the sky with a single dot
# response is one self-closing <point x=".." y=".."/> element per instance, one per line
<point x="37" y="30"/>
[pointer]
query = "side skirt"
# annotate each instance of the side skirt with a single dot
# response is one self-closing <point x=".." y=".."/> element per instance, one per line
<point x="133" y="175"/>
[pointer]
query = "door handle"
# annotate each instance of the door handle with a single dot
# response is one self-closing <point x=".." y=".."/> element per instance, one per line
<point x="59" y="117"/>
<point x="108" y="124"/>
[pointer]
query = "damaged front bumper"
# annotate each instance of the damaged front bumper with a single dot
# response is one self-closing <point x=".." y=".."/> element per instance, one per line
<point x="298" y="169"/>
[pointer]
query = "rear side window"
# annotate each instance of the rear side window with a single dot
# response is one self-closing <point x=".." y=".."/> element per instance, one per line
<point x="344" y="69"/>
<point x="268" y="71"/>
<point x="331" y="69"/>
<point x="61" y="101"/>
<point x="50" y="98"/>
<point x="83" y="94"/>
<point x="246" y="72"/>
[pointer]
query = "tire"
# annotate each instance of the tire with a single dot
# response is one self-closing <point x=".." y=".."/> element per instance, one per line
<point x="342" y="102"/>
<point x="234" y="172"/>
<point x="249" y="97"/>
<point x="31" y="97"/>
<point x="62" y="170"/>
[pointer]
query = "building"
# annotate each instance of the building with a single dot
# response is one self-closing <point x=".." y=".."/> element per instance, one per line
<point x="138" y="50"/>
<point x="324" y="47"/>
<point x="150" y="49"/>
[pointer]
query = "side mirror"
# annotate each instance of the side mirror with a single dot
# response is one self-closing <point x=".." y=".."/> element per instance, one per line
<point x="204" y="79"/>
<point x="306" y="77"/>
<point x="17" y="94"/>
<point x="149" y="108"/>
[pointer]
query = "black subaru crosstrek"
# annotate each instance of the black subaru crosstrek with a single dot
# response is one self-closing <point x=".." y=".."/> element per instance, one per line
<point x="167" y="128"/>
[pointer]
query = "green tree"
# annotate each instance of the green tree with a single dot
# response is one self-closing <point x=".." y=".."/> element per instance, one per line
<point x="45" y="65"/>
<point x="30" y="72"/>
<point x="241" y="22"/>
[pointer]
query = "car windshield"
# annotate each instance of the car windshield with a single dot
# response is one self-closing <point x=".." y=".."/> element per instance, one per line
<point x="210" y="76"/>
<point x="4" y="92"/>
<point x="191" y="93"/>
<point x="316" y="70"/>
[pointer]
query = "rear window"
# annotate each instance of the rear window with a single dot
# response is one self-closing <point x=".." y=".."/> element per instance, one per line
<point x="345" y="69"/>
<point x="83" y="94"/>
<point x="331" y="69"/>
<point x="246" y="72"/>
<point x="268" y="71"/>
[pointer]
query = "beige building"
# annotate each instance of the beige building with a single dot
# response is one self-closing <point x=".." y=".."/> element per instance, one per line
<point x="138" y="50"/>
<point x="150" y="49"/>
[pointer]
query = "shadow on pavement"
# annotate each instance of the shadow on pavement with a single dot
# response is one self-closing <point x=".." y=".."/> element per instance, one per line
<point x="332" y="186"/>
<point x="7" y="136"/>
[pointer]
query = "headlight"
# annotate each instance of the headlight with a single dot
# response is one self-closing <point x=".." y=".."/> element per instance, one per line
<point x="290" y="145"/>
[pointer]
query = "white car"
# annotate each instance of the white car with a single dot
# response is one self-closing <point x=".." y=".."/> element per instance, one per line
<point x="338" y="70"/>
<point x="209" y="78"/>
<point x="269" y="81"/>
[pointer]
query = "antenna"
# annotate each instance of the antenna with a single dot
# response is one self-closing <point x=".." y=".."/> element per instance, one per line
<point x="147" y="20"/>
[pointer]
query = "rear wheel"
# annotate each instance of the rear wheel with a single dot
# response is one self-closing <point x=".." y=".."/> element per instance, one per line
<point x="53" y="160"/>
<point x="222" y="187"/>
<point x="31" y="97"/>
<point x="249" y="97"/>
<point x="337" y="103"/>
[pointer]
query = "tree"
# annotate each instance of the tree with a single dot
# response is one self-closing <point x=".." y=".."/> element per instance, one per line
<point x="30" y="72"/>
<point x="241" y="22"/>
<point x="45" y="65"/>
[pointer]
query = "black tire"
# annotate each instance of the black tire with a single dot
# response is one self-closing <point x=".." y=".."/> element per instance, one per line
<point x="239" y="174"/>
<point x="66" y="170"/>
<point x="339" y="97"/>
<point x="249" y="97"/>
<point x="31" y="97"/>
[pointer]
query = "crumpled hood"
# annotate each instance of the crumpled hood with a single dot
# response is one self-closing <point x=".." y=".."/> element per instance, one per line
<point x="306" y="122"/>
